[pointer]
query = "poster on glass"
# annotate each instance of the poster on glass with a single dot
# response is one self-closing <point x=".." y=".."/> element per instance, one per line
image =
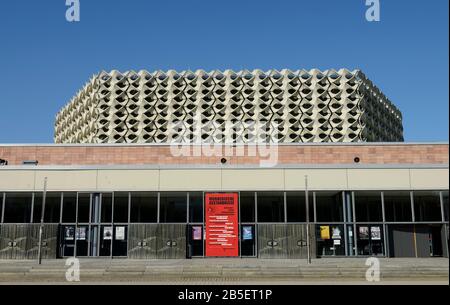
<point x="107" y="233"/>
<point x="336" y="233"/>
<point x="69" y="233"/>
<point x="120" y="233"/>
<point x="324" y="232"/>
<point x="197" y="233"/>
<point x="80" y="233"/>
<point x="247" y="233"/>
<point x="375" y="233"/>
<point x="363" y="233"/>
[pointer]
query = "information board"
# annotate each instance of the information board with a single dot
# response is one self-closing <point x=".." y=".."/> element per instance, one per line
<point x="221" y="219"/>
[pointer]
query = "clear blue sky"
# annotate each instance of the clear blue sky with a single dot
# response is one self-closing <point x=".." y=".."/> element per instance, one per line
<point x="44" y="59"/>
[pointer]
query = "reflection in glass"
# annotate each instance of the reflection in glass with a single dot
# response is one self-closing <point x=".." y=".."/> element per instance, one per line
<point x="270" y="207"/>
<point x="397" y="206"/>
<point x="18" y="207"/>
<point x="52" y="208"/>
<point x="173" y="207"/>
<point x="120" y="207"/>
<point x="69" y="207"/>
<point x="329" y="207"/>
<point x="196" y="207"/>
<point x="247" y="206"/>
<point x="445" y="202"/>
<point x="368" y="206"/>
<point x="106" y="208"/>
<point x="295" y="206"/>
<point x="427" y="206"/>
<point x="144" y="207"/>
<point x="84" y="202"/>
<point x="1" y="206"/>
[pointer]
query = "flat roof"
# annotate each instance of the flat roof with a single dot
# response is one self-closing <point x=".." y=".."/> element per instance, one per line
<point x="231" y="144"/>
<point x="218" y="167"/>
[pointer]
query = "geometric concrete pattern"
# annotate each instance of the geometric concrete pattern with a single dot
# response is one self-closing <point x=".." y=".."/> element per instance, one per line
<point x="228" y="107"/>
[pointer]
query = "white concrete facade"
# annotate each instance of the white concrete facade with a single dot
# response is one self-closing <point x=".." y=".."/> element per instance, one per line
<point x="100" y="179"/>
<point x="245" y="107"/>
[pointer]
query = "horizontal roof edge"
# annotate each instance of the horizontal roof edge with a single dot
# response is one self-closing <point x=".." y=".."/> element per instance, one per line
<point x="256" y="144"/>
<point x="220" y="167"/>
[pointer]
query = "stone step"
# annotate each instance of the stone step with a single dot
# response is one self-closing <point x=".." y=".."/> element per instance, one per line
<point x="13" y="269"/>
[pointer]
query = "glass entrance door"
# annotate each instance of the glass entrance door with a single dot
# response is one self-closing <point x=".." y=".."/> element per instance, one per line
<point x="120" y="241"/>
<point x="93" y="232"/>
<point x="195" y="240"/>
<point x="248" y="244"/>
<point x="105" y="240"/>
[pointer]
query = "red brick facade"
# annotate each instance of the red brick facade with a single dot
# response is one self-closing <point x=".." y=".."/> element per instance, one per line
<point x="287" y="154"/>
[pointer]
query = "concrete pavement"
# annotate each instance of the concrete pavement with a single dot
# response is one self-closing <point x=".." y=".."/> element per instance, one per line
<point x="228" y="271"/>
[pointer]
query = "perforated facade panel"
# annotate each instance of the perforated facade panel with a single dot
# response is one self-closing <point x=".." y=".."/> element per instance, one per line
<point x="216" y="107"/>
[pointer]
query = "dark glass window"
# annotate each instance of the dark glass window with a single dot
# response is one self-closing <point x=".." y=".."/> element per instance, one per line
<point x="67" y="241"/>
<point x="69" y="207"/>
<point x="82" y="234"/>
<point x="173" y="207"/>
<point x="195" y="207"/>
<point x="84" y="203"/>
<point x="247" y="206"/>
<point x="270" y="207"/>
<point x="445" y="201"/>
<point x="105" y="240"/>
<point x="370" y="239"/>
<point x="144" y="207"/>
<point x="397" y="206"/>
<point x="1" y="206"/>
<point x="18" y="207"/>
<point x="120" y="243"/>
<point x="368" y="207"/>
<point x="106" y="208"/>
<point x="330" y="240"/>
<point x="329" y="207"/>
<point x="195" y="240"/>
<point x="52" y="208"/>
<point x="120" y="207"/>
<point x="248" y="241"/>
<point x="296" y="207"/>
<point x="427" y="206"/>
<point x="95" y="209"/>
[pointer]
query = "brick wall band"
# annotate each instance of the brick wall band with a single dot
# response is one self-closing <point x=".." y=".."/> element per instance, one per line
<point x="161" y="155"/>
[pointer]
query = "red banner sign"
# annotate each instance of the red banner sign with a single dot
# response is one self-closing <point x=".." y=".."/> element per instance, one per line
<point x="221" y="216"/>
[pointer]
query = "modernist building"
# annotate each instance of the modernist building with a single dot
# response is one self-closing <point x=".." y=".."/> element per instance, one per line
<point x="217" y="107"/>
<point x="132" y="173"/>
<point x="143" y="201"/>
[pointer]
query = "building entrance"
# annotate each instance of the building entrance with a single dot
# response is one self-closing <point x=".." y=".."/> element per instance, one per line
<point x="92" y="230"/>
